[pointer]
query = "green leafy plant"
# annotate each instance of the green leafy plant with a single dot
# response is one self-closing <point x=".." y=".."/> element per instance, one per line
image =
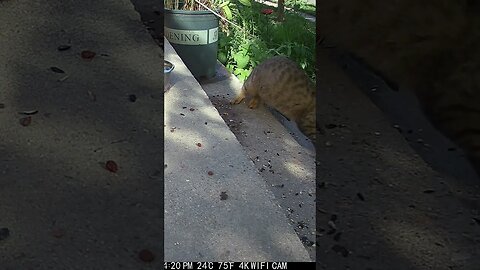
<point x="301" y="6"/>
<point x="249" y="35"/>
<point x="258" y="36"/>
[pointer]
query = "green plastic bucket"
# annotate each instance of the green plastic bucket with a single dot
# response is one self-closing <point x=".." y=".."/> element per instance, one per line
<point x="194" y="36"/>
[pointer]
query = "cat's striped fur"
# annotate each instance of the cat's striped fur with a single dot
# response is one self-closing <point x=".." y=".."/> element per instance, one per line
<point x="281" y="84"/>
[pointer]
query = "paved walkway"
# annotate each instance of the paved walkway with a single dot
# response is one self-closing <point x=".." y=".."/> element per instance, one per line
<point x="62" y="208"/>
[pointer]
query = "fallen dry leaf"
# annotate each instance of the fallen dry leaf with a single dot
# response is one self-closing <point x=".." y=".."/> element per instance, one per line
<point x="88" y="55"/>
<point x="146" y="255"/>
<point x="58" y="233"/>
<point x="111" y="166"/>
<point x="26" y="121"/>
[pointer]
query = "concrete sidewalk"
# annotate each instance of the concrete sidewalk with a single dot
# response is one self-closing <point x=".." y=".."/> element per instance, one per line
<point x="217" y="207"/>
<point x="62" y="208"/>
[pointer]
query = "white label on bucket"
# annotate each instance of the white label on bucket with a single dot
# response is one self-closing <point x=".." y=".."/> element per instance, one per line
<point x="190" y="37"/>
<point x="213" y="35"/>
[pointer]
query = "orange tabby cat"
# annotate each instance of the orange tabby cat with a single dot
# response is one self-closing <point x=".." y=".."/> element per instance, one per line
<point x="281" y="84"/>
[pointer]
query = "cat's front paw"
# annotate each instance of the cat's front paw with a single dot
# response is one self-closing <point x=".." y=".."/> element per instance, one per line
<point x="237" y="100"/>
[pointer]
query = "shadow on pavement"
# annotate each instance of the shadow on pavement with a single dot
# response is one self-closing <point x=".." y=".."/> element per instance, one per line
<point x="62" y="207"/>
